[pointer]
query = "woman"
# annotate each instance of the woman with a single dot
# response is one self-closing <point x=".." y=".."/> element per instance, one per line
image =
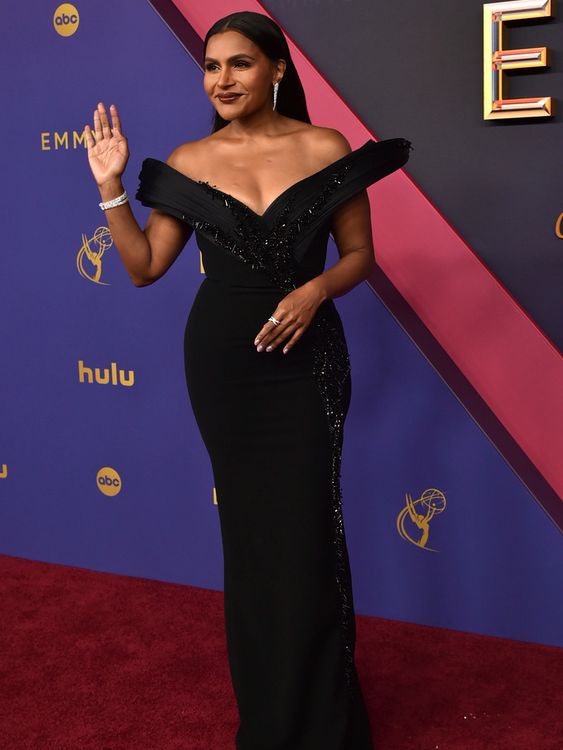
<point x="267" y="366"/>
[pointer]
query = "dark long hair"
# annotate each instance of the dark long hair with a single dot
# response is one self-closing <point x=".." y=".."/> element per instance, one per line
<point x="267" y="35"/>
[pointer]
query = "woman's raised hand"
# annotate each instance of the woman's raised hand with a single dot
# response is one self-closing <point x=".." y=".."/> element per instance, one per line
<point x="108" y="152"/>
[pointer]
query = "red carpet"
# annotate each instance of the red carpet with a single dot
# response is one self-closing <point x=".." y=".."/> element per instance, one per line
<point x="94" y="661"/>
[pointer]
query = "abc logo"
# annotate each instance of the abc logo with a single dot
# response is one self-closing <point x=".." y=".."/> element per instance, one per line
<point x="108" y="481"/>
<point x="65" y="19"/>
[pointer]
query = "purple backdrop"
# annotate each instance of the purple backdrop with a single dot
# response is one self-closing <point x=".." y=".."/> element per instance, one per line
<point x="497" y="567"/>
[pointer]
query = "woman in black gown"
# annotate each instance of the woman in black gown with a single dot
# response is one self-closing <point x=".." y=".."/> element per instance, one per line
<point x="272" y="420"/>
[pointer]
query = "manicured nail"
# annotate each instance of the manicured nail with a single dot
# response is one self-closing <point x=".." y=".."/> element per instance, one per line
<point x="256" y="340"/>
<point x="260" y="348"/>
<point x="268" y="348"/>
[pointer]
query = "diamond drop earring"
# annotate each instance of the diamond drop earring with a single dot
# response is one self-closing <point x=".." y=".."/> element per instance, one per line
<point x="276" y="87"/>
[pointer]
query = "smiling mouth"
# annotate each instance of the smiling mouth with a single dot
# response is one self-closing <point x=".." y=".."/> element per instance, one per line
<point x="228" y="97"/>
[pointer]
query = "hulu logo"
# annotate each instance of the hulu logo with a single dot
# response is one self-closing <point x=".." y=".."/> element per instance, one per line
<point x="105" y="375"/>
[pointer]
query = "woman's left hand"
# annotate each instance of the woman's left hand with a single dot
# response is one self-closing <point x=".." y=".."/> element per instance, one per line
<point x="295" y="312"/>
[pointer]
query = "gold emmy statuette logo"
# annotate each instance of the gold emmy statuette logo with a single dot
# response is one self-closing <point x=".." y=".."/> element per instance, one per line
<point x="110" y="375"/>
<point x="93" y="250"/>
<point x="430" y="503"/>
<point x="3" y="471"/>
<point x="66" y="19"/>
<point x="214" y="496"/>
<point x="497" y="60"/>
<point x="108" y="481"/>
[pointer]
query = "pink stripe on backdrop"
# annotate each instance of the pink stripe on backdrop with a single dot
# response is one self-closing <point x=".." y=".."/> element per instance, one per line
<point x="509" y="361"/>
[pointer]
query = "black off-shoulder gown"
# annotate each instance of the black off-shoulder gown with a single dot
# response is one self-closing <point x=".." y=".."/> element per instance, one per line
<point x="272" y="424"/>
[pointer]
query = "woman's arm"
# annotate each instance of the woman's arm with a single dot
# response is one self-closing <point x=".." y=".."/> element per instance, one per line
<point x="146" y="254"/>
<point x="351" y="229"/>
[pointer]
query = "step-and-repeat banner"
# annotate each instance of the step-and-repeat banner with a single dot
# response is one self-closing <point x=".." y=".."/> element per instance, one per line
<point x="451" y="502"/>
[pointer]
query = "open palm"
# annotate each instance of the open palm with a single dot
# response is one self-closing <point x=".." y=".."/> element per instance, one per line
<point x="108" y="152"/>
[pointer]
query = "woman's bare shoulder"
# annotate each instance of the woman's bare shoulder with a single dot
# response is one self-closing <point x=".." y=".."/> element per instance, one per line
<point x="187" y="156"/>
<point x="326" y="144"/>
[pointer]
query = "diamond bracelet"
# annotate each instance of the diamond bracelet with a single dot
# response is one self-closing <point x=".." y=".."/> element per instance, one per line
<point x="123" y="198"/>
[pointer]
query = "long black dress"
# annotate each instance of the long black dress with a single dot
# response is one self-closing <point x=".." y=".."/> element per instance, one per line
<point x="272" y="424"/>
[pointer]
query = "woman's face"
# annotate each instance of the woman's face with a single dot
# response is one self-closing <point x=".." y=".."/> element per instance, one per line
<point x="235" y="65"/>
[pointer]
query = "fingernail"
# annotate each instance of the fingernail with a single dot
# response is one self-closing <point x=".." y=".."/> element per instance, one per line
<point x="256" y="340"/>
<point x="260" y="348"/>
<point x="268" y="348"/>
